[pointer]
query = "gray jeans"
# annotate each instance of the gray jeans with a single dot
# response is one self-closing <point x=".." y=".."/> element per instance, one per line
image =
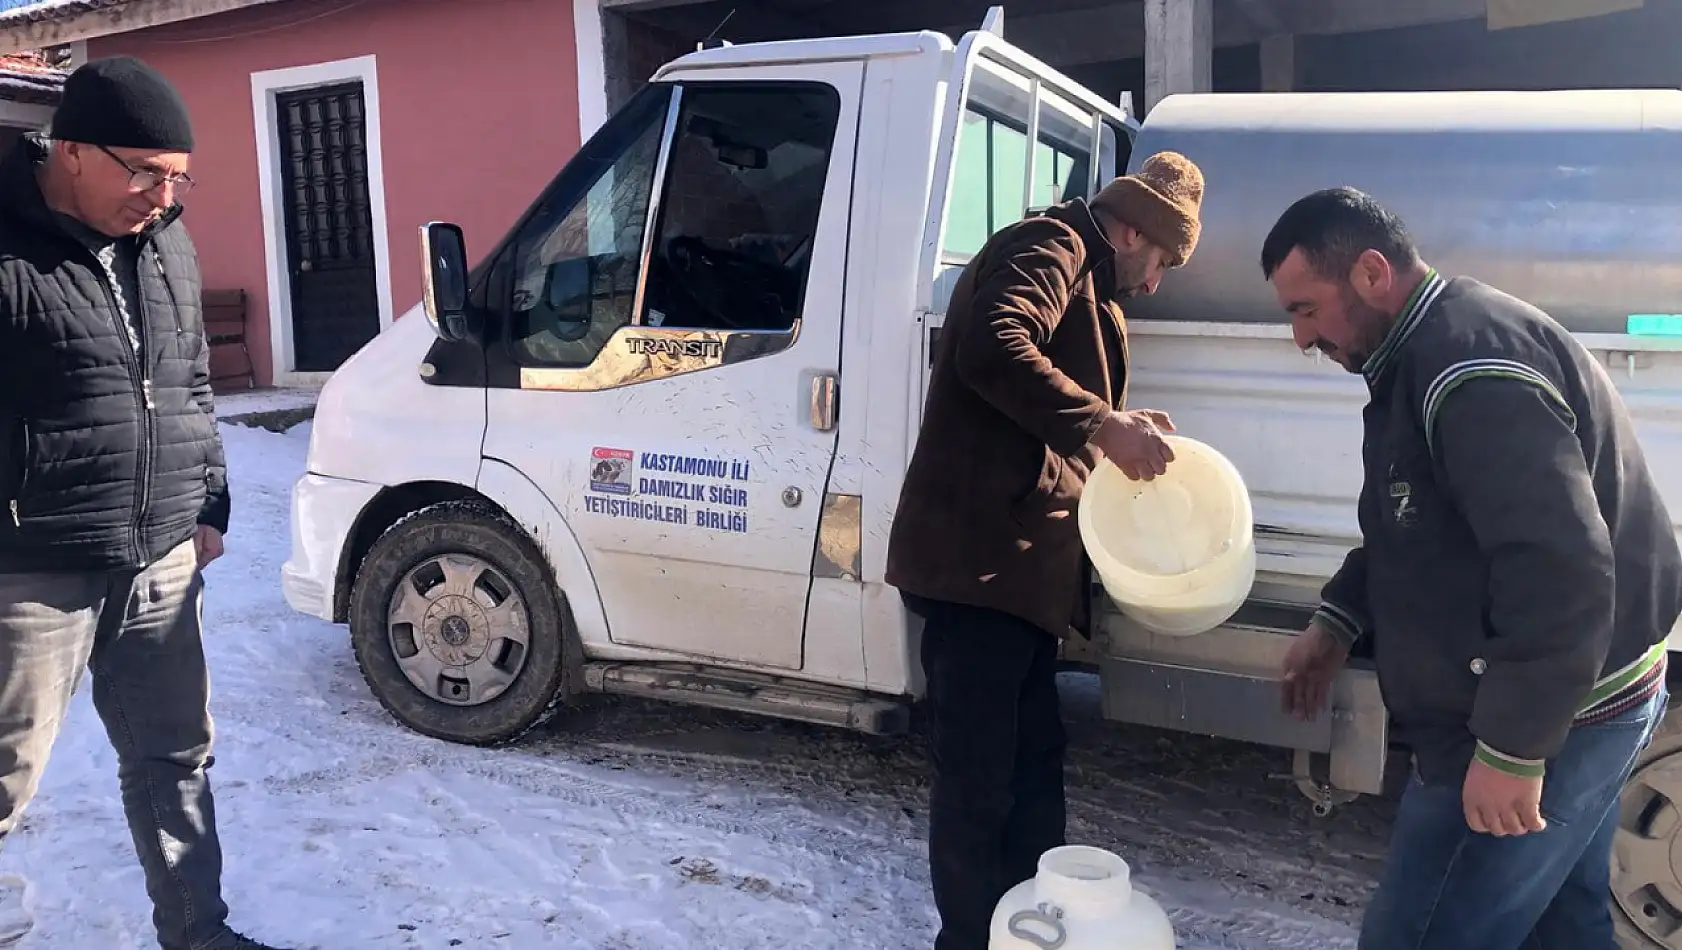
<point x="140" y="632"/>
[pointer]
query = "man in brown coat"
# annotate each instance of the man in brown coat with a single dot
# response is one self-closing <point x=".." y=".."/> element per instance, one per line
<point x="1024" y="398"/>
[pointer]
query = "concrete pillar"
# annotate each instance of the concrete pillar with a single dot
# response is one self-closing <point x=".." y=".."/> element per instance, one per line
<point x="631" y="52"/>
<point x="1179" y="48"/>
<point x="1279" y="64"/>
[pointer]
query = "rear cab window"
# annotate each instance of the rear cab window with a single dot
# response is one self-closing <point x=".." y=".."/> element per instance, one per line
<point x="997" y="180"/>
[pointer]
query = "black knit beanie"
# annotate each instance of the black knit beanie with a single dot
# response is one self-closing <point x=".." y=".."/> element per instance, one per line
<point x="122" y="103"/>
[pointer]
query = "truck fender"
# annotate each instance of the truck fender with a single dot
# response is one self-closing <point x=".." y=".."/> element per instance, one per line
<point x="511" y="490"/>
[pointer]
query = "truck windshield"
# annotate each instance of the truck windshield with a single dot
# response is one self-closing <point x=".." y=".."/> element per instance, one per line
<point x="575" y="258"/>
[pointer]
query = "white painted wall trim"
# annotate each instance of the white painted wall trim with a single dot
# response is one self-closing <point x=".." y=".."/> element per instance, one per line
<point x="265" y="86"/>
<point x="592" y="72"/>
<point x="25" y="115"/>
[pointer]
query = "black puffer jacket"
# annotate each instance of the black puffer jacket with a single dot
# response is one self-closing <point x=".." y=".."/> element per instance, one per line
<point x="107" y="461"/>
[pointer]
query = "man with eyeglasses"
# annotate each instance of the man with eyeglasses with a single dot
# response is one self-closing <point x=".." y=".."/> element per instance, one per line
<point x="112" y="477"/>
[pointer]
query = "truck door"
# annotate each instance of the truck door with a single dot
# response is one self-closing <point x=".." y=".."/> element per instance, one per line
<point x="677" y="323"/>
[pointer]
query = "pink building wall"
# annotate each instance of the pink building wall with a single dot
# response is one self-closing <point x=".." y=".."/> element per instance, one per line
<point x="478" y="102"/>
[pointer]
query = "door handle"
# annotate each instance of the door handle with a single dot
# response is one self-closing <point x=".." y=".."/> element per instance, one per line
<point x="826" y="390"/>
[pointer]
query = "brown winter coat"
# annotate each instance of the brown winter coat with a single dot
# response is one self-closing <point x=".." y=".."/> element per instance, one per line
<point x="1031" y="361"/>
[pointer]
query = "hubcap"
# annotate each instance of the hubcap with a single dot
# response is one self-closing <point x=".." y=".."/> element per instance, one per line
<point x="1647" y="852"/>
<point x="459" y="629"/>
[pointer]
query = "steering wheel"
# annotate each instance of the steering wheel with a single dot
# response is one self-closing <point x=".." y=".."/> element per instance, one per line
<point x="723" y="283"/>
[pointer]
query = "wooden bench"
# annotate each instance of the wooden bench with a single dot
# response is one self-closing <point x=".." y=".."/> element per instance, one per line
<point x="224" y="329"/>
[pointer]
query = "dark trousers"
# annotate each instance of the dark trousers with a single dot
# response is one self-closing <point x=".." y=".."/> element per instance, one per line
<point x="997" y="742"/>
<point x="1446" y="887"/>
<point x="140" y="634"/>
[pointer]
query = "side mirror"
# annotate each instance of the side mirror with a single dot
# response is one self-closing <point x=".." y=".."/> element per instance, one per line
<point x="444" y="280"/>
<point x="566" y="293"/>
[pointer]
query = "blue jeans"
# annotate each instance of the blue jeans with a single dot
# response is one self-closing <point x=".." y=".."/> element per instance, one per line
<point x="1446" y="887"/>
<point x="140" y="633"/>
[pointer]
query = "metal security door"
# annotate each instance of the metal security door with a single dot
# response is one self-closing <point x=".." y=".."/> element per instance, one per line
<point x="329" y="225"/>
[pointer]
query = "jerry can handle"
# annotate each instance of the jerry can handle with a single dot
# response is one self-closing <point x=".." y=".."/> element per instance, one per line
<point x="1043" y="916"/>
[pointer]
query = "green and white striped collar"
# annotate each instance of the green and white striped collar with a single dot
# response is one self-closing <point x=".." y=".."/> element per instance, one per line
<point x="1419" y="302"/>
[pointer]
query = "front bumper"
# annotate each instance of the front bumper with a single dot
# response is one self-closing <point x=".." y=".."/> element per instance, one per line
<point x="324" y="512"/>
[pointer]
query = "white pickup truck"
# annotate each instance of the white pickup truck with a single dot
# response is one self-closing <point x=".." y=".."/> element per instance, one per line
<point x="653" y="443"/>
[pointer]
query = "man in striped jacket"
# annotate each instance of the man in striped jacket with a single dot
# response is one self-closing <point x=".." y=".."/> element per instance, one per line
<point x="1518" y="574"/>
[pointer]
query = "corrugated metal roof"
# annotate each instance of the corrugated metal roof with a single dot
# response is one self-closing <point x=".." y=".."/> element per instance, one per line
<point x="32" y="63"/>
<point x="26" y="77"/>
<point x="38" y="24"/>
<point x="56" y="10"/>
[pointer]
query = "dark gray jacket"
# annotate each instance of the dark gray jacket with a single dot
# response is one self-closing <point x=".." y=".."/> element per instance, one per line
<point x="1518" y="569"/>
<point x="108" y="458"/>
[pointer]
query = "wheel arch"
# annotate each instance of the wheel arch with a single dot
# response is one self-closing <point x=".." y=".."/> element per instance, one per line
<point x="385" y="509"/>
<point x="510" y="492"/>
<point x="520" y="499"/>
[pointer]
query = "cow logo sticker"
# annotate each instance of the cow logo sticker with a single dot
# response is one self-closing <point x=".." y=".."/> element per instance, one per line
<point x="612" y="471"/>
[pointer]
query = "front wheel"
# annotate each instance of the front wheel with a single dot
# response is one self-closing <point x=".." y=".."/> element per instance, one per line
<point x="459" y="628"/>
<point x="1647" y="852"/>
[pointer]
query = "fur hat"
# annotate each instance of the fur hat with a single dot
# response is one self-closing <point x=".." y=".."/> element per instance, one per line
<point x="1162" y="200"/>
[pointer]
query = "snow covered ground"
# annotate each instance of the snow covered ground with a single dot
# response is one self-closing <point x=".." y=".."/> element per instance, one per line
<point x="628" y="825"/>
<point x="234" y="405"/>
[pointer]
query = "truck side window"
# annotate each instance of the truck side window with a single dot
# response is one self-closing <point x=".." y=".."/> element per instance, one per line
<point x="739" y="212"/>
<point x="575" y="258"/>
<point x="991" y="163"/>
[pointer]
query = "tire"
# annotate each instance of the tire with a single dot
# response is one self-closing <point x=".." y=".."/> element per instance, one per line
<point x="1646" y="893"/>
<point x="456" y="635"/>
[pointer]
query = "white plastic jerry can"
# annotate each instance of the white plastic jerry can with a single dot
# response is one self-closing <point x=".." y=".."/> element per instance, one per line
<point x="1081" y="899"/>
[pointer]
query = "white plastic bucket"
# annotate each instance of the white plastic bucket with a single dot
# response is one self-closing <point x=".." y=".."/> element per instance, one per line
<point x="1189" y="620"/>
<point x="1177" y="554"/>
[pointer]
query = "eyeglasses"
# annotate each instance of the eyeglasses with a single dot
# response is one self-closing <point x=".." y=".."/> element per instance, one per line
<point x="144" y="179"/>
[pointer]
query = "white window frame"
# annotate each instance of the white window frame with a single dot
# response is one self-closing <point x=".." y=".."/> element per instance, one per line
<point x="266" y="86"/>
<point x="592" y="69"/>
